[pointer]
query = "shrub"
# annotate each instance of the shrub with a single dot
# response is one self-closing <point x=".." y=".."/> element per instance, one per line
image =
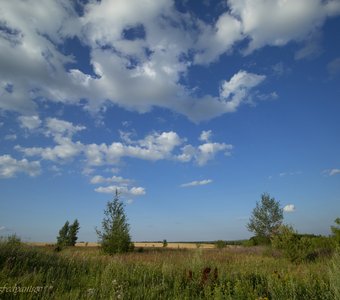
<point x="220" y="244"/>
<point x="298" y="248"/>
<point x="257" y="241"/>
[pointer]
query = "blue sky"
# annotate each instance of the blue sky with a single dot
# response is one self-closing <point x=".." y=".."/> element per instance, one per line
<point x="192" y="109"/>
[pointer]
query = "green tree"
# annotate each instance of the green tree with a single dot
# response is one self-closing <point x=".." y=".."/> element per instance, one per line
<point x="266" y="217"/>
<point x="114" y="236"/>
<point x="62" y="239"/>
<point x="165" y="243"/>
<point x="68" y="234"/>
<point x="72" y="233"/>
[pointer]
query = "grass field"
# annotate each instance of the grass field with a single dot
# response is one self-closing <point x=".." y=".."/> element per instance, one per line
<point x="38" y="272"/>
<point x="144" y="245"/>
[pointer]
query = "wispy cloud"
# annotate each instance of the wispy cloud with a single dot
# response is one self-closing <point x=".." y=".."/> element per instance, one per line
<point x="331" y="172"/>
<point x="10" y="137"/>
<point x="333" y="67"/>
<point x="285" y="174"/>
<point x="196" y="183"/>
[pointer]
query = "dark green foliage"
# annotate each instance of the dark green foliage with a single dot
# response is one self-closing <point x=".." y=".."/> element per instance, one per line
<point x="165" y="243"/>
<point x="298" y="248"/>
<point x="114" y="236"/>
<point x="257" y="241"/>
<point x="266" y="217"/>
<point x="68" y="234"/>
<point x="220" y="244"/>
<point x="72" y="233"/>
<point x="62" y="239"/>
<point x="57" y="248"/>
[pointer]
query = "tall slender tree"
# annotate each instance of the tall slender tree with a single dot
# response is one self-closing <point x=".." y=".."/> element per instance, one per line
<point x="73" y="233"/>
<point x="114" y="236"/>
<point x="62" y="239"/>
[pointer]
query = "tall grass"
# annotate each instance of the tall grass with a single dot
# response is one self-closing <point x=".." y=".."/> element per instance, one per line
<point x="235" y="273"/>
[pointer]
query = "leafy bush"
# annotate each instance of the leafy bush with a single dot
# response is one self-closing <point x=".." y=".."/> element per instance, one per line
<point x="298" y="248"/>
<point x="257" y="241"/>
<point x="220" y="244"/>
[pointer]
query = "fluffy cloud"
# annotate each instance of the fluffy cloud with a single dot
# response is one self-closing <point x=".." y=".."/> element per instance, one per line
<point x="62" y="132"/>
<point x="134" y="191"/>
<point x="65" y="150"/>
<point x="289" y="208"/>
<point x="132" y="44"/>
<point x="116" y="179"/>
<point x="204" y="152"/>
<point x="29" y="122"/>
<point x="153" y="147"/>
<point x="217" y="39"/>
<point x="10" y="166"/>
<point x="205" y="135"/>
<point x="58" y="128"/>
<point x="236" y="90"/>
<point x="208" y="151"/>
<point x="287" y="21"/>
<point x="31" y="64"/>
<point x="196" y="183"/>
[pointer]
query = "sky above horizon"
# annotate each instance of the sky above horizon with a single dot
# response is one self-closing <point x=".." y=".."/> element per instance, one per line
<point x="191" y="109"/>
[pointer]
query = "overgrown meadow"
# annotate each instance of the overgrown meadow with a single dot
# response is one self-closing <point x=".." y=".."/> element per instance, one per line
<point x="234" y="272"/>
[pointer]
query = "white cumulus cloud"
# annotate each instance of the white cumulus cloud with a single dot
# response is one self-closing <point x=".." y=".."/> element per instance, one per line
<point x="289" y="208"/>
<point x="10" y="166"/>
<point x="33" y="67"/>
<point x="278" y="22"/>
<point x="116" y="179"/>
<point x="133" y="191"/>
<point x="29" y="122"/>
<point x="237" y="89"/>
<point x="205" y="135"/>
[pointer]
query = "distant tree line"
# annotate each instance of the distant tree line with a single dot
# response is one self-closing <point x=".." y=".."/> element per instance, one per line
<point x="266" y="222"/>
